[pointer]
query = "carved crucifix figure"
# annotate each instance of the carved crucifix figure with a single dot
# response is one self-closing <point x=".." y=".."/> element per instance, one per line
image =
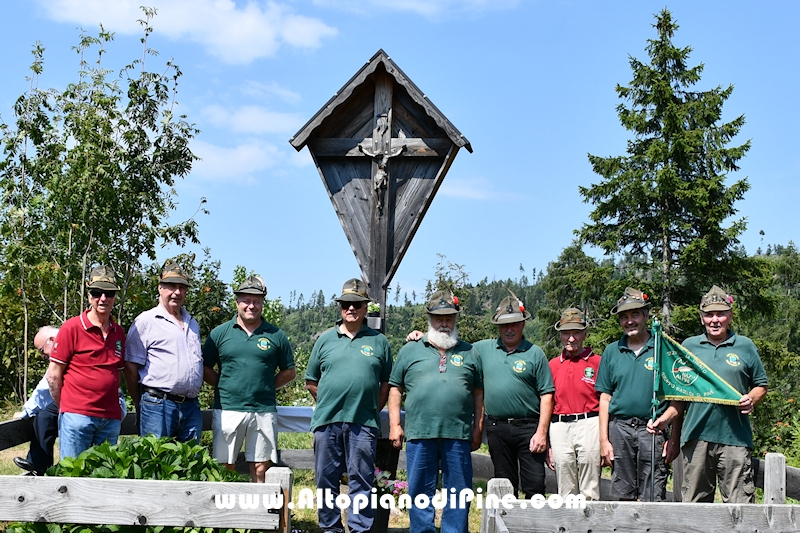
<point x="381" y="155"/>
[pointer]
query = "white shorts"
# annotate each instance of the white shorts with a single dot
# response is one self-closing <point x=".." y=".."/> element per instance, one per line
<point x="257" y="430"/>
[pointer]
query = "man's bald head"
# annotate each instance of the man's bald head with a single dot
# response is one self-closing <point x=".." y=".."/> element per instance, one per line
<point x="43" y="341"/>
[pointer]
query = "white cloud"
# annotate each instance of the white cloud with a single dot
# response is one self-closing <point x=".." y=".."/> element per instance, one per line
<point x="236" y="35"/>
<point x="238" y="164"/>
<point x="425" y="8"/>
<point x="252" y="119"/>
<point x="262" y="90"/>
<point x="472" y="189"/>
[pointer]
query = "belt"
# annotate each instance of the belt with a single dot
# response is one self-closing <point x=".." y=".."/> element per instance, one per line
<point x="633" y="421"/>
<point x="158" y="393"/>
<point x="513" y="421"/>
<point x="572" y="418"/>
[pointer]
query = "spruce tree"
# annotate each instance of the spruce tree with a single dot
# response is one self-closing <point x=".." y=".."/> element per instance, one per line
<point x="666" y="201"/>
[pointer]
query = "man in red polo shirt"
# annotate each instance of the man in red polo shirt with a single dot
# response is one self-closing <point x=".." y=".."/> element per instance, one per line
<point x="574" y="429"/>
<point x="84" y="372"/>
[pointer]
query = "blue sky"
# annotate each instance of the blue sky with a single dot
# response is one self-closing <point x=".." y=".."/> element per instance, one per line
<point x="529" y="83"/>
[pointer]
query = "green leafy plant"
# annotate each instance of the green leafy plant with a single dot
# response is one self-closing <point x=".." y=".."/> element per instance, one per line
<point x="145" y="458"/>
<point x="136" y="458"/>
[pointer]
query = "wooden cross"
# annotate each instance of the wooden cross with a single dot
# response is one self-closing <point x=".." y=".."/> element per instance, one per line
<point x="382" y="150"/>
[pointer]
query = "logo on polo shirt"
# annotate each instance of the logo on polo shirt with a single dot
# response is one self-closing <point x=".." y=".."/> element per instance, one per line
<point x="733" y="359"/>
<point x="118" y="349"/>
<point x="648" y="363"/>
<point x="456" y="359"/>
<point x="588" y="372"/>
<point x="519" y="366"/>
<point x="367" y="350"/>
<point x="683" y="373"/>
<point x="263" y="344"/>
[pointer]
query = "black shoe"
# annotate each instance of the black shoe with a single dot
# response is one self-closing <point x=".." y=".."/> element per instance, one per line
<point x="25" y="465"/>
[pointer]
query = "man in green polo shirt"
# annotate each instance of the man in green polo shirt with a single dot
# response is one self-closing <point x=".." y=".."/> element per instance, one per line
<point x="441" y="376"/>
<point x="625" y="384"/>
<point x="248" y="351"/>
<point x="717" y="440"/>
<point x="518" y="397"/>
<point x="348" y="376"/>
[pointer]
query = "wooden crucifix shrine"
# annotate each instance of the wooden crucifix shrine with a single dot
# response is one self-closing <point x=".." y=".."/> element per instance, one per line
<point x="382" y="150"/>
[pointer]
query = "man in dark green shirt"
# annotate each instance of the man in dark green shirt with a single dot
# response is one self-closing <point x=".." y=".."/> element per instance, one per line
<point x="348" y="375"/>
<point x="518" y="397"/>
<point x="716" y="440"/>
<point x="625" y="384"/>
<point x="248" y="351"/>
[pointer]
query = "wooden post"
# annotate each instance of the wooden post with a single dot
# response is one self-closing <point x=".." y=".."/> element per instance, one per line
<point x="382" y="202"/>
<point x="775" y="479"/>
<point x="491" y="521"/>
<point x="280" y="475"/>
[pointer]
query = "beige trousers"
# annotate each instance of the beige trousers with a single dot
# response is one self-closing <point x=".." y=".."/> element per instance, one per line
<point x="576" y="454"/>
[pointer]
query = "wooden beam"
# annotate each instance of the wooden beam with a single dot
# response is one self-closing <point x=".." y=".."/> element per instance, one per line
<point x="609" y="517"/>
<point x="339" y="147"/>
<point x="380" y="200"/>
<point x="135" y="502"/>
<point x="15" y="432"/>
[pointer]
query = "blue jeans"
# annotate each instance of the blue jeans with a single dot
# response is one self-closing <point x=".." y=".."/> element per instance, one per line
<point x="338" y="448"/>
<point x="77" y="433"/>
<point x="165" y="418"/>
<point x="422" y="464"/>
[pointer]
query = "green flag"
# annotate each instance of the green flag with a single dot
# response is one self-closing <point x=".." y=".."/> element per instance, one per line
<point x="685" y="377"/>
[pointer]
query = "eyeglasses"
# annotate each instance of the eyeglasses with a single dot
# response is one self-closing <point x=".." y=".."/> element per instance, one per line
<point x="443" y="363"/>
<point x="346" y="305"/>
<point x="97" y="293"/>
<point x="41" y="350"/>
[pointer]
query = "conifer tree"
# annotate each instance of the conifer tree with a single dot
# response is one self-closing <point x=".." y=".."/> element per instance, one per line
<point x="667" y="201"/>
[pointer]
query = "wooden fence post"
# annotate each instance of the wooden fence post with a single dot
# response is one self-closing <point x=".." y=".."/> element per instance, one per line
<point x="280" y="475"/>
<point x="775" y="479"/>
<point x="490" y="516"/>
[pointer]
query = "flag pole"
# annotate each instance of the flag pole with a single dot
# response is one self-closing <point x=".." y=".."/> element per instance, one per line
<point x="654" y="404"/>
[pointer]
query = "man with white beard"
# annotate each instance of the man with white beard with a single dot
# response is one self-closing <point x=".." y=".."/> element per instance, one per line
<point x="441" y="376"/>
<point x="518" y="399"/>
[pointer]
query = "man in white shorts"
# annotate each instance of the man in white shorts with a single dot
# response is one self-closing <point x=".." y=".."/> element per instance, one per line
<point x="254" y="359"/>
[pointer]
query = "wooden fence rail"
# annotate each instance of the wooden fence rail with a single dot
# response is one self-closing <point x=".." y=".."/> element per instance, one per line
<point x="518" y="516"/>
<point x="161" y="504"/>
<point x="16" y="432"/>
<point x="147" y="502"/>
